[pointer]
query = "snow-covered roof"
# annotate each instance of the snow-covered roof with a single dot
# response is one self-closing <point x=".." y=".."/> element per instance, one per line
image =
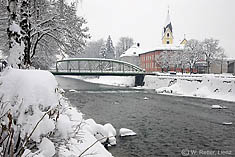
<point x="168" y="22"/>
<point x="134" y="50"/>
<point x="230" y="59"/>
<point x="164" y="47"/>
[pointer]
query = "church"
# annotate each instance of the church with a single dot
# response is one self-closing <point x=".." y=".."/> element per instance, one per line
<point x="158" y="59"/>
<point x="163" y="58"/>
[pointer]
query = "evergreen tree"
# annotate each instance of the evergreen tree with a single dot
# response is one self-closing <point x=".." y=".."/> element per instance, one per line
<point x="110" y="53"/>
<point x="103" y="51"/>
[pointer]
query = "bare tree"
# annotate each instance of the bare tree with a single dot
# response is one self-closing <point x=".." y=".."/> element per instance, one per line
<point x="92" y="49"/>
<point x="123" y="44"/>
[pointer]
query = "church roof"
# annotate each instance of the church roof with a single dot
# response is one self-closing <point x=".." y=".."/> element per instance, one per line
<point x="168" y="22"/>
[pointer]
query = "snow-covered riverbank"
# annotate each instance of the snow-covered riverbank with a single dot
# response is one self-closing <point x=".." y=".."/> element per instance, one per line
<point x="207" y="86"/>
<point x="33" y="109"/>
<point x="203" y="86"/>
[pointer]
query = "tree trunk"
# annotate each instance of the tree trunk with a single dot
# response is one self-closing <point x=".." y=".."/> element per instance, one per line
<point x="62" y="8"/>
<point x="25" y="26"/>
<point x="208" y="67"/>
<point x="16" y="46"/>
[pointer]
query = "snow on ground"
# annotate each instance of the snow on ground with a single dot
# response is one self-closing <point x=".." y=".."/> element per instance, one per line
<point x="126" y="81"/>
<point x="206" y="86"/>
<point x="33" y="96"/>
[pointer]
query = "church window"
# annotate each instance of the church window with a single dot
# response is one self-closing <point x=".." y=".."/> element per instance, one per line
<point x="167" y="42"/>
<point x="168" y="34"/>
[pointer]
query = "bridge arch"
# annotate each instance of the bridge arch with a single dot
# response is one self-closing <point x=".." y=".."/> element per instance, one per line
<point x="97" y="66"/>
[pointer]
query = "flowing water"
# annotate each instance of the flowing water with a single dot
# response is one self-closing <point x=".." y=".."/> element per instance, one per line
<point x="165" y="125"/>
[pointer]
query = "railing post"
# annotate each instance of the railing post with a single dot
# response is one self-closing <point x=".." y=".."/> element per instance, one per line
<point x="56" y="66"/>
<point x="112" y="66"/>
<point x="89" y="66"/>
<point x="123" y="68"/>
<point x="79" y="66"/>
<point x="68" y="66"/>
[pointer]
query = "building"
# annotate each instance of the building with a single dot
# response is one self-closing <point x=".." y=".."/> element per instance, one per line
<point x="132" y="55"/>
<point x="161" y="57"/>
<point x="231" y="66"/>
<point x="219" y="66"/>
<point x="167" y="37"/>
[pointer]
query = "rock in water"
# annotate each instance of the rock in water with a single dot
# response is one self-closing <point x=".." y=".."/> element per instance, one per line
<point x="227" y="123"/>
<point x="111" y="133"/>
<point x="126" y="132"/>
<point x="146" y="98"/>
<point x="218" y="107"/>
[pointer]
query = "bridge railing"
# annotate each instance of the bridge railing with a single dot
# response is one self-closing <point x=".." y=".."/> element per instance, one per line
<point x="95" y="65"/>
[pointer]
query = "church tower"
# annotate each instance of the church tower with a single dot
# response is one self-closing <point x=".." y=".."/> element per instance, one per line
<point x="167" y="36"/>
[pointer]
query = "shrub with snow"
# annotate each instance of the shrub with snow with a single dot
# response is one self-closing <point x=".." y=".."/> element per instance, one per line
<point x="36" y="120"/>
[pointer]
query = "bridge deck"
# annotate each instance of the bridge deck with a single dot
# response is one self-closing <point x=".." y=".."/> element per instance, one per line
<point x="101" y="73"/>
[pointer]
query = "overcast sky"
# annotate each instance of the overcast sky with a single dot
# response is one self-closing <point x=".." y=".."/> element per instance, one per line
<point x="143" y="20"/>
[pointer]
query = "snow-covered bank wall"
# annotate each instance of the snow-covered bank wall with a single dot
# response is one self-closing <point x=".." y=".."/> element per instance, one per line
<point x="126" y="81"/>
<point x="155" y="82"/>
<point x="207" y="86"/>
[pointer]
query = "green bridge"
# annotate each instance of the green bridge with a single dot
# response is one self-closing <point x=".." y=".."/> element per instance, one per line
<point x="100" y="67"/>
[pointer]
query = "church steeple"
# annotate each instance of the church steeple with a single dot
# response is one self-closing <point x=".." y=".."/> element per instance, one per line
<point x="167" y="37"/>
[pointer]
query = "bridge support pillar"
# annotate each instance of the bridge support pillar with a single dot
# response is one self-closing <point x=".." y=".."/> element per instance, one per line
<point x="139" y="80"/>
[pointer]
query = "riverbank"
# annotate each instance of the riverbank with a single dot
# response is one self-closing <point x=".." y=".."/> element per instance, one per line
<point x="204" y="86"/>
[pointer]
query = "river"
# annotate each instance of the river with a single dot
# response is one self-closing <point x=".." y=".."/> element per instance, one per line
<point x="165" y="125"/>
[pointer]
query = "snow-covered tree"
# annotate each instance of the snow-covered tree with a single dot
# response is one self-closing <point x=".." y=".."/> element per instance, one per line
<point x="182" y="60"/>
<point x="43" y="28"/>
<point x="3" y="27"/>
<point x="110" y="52"/>
<point x="175" y="59"/>
<point x="67" y="35"/>
<point x="92" y="49"/>
<point x="25" y="29"/>
<point x="15" y="36"/>
<point x="211" y="50"/>
<point x="123" y="44"/>
<point x="102" y="51"/>
<point x="193" y="53"/>
<point x="163" y="60"/>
